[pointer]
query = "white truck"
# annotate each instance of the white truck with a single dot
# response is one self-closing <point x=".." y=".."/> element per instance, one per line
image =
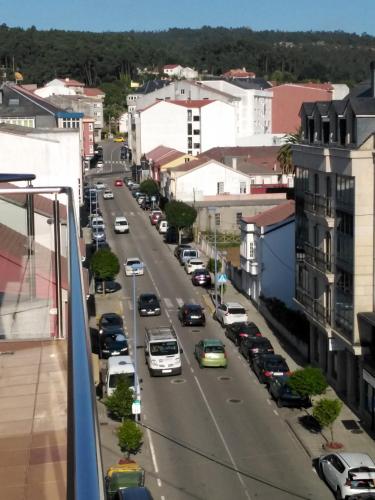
<point x="162" y="351"/>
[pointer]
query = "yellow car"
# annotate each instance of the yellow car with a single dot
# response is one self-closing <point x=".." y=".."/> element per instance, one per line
<point x="118" y="139"/>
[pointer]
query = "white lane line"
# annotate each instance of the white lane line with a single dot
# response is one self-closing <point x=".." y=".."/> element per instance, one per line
<point x="168" y="302"/>
<point x="275" y="412"/>
<point x="314" y="470"/>
<point x="152" y="449"/>
<point x="159" y="482"/>
<point x="130" y="305"/>
<point x="179" y="301"/>
<point x="269" y="401"/>
<point x="131" y="213"/>
<point x="162" y="497"/>
<point x="222" y="437"/>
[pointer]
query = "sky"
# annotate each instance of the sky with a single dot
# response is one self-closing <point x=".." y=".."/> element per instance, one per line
<point x="157" y="15"/>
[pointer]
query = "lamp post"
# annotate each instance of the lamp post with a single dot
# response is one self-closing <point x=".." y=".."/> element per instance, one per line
<point x="210" y="211"/>
<point x="137" y="392"/>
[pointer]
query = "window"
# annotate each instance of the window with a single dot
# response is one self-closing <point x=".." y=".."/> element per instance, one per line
<point x="238" y="218"/>
<point x="342" y="131"/>
<point x="182" y="91"/>
<point x="217" y="219"/>
<point x="189" y="129"/>
<point x="187" y="159"/>
<point x="196" y="132"/>
<point x="196" y="145"/>
<point x="189" y="115"/>
<point x="196" y="118"/>
<point x="190" y="142"/>
<point x="325" y="126"/>
<point x="251" y="250"/>
<point x="220" y="187"/>
<point x="252" y="180"/>
<point x="14" y="102"/>
<point x="189" y="152"/>
<point x="242" y="187"/>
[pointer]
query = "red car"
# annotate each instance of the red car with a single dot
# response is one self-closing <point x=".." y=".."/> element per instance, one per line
<point x="118" y="183"/>
<point x="155" y="216"/>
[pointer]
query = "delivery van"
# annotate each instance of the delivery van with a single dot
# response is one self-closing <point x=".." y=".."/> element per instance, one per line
<point x="162" y="351"/>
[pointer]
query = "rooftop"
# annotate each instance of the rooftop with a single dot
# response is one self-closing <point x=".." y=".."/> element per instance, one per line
<point x="272" y="216"/>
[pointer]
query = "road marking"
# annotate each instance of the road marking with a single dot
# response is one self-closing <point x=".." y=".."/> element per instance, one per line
<point x="222" y="437"/>
<point x="192" y="369"/>
<point x="132" y="213"/>
<point x="152" y="450"/>
<point x="314" y="470"/>
<point x="159" y="482"/>
<point x="130" y="305"/>
<point x="168" y="302"/>
<point x="162" y="497"/>
<point x="179" y="301"/>
<point x="275" y="412"/>
<point x="269" y="401"/>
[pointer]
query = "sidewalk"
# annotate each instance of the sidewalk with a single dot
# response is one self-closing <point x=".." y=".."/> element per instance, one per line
<point x="347" y="428"/>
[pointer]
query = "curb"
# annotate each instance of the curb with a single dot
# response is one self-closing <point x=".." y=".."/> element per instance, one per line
<point x="208" y="303"/>
<point x="299" y="439"/>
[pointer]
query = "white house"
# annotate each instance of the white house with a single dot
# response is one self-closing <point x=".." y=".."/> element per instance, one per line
<point x="189" y="73"/>
<point x="172" y="70"/>
<point x="53" y="155"/>
<point x="190" y="126"/>
<point x="267" y="253"/>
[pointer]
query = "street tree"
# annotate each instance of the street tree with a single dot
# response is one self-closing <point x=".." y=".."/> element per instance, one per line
<point x="180" y="215"/>
<point x="308" y="381"/>
<point x="326" y="412"/>
<point x="149" y="187"/>
<point x="129" y="438"/>
<point x="104" y="264"/>
<point x="119" y="404"/>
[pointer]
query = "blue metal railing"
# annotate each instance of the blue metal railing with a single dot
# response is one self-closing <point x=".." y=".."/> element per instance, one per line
<point x="84" y="469"/>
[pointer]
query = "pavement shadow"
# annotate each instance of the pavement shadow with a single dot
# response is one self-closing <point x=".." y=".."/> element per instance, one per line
<point x="309" y="423"/>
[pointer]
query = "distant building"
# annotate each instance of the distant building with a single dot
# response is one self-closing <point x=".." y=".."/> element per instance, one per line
<point x="172" y="70"/>
<point x="239" y="73"/>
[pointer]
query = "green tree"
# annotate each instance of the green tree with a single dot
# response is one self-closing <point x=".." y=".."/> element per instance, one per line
<point x="284" y="155"/>
<point x="129" y="438"/>
<point x="150" y="187"/>
<point x="104" y="264"/>
<point x="211" y="265"/>
<point x="180" y="215"/>
<point x="308" y="381"/>
<point x="326" y="412"/>
<point x="120" y="402"/>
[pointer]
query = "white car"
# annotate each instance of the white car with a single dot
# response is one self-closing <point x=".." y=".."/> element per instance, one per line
<point x="348" y="474"/>
<point x="231" y="312"/>
<point x="97" y="223"/>
<point x="134" y="266"/>
<point x="100" y="185"/>
<point x="121" y="225"/>
<point x="193" y="264"/>
<point x="99" y="165"/>
<point x="108" y="194"/>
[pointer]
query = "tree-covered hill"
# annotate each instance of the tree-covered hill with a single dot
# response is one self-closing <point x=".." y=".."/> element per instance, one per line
<point x="103" y="57"/>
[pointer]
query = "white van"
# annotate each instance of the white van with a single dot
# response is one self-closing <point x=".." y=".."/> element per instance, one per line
<point x="187" y="254"/>
<point x="163" y="226"/>
<point x="121" y="225"/>
<point x="117" y="367"/>
<point x="162" y="351"/>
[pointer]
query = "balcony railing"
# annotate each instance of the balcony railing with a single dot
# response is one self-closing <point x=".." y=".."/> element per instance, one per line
<point x="313" y="306"/>
<point x="318" y="258"/>
<point x="44" y="302"/>
<point x="319" y="204"/>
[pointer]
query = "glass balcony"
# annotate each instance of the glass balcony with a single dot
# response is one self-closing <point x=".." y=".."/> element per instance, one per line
<point x="49" y="430"/>
<point x="313" y="307"/>
<point x="319" y="205"/>
<point x="319" y="259"/>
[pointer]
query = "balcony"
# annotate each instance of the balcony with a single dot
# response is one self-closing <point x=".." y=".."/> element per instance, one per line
<point x="313" y="307"/>
<point x="319" y="260"/>
<point x="249" y="266"/>
<point x="320" y="206"/>
<point x="49" y="434"/>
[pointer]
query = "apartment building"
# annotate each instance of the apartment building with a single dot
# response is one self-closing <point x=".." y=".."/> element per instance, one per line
<point x="335" y="241"/>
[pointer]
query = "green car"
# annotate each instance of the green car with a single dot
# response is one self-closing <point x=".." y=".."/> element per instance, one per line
<point x="211" y="352"/>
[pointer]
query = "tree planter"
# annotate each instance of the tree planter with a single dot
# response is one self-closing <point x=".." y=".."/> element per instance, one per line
<point x="333" y="446"/>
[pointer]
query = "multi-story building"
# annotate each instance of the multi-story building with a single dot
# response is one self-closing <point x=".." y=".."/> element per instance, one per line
<point x="335" y="241"/>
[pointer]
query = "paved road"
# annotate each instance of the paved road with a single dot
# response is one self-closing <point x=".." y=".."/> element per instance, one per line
<point x="209" y="434"/>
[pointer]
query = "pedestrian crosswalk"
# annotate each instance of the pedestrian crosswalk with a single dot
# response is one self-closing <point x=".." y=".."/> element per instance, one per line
<point x="169" y="303"/>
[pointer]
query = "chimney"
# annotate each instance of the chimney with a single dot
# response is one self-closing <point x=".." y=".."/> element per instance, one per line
<point x="372" y="69"/>
<point x="234" y="163"/>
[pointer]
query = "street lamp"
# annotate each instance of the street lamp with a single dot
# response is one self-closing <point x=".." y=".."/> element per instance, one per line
<point x="137" y="392"/>
<point x="212" y="210"/>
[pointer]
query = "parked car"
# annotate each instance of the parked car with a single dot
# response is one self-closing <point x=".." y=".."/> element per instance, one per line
<point x="285" y="396"/>
<point x="113" y="343"/>
<point x="100" y="185"/>
<point x="251" y="347"/>
<point x="230" y="312"/>
<point x="98" y="235"/>
<point x="187" y="254"/>
<point x="121" y="224"/>
<point x="134" y="266"/>
<point x="118" y="183"/>
<point x="267" y="366"/>
<point x="192" y="265"/>
<point x="109" y="286"/>
<point x="133" y="185"/>
<point x="237" y="332"/>
<point x="348" y="474"/>
<point x="100" y="245"/>
<point x="191" y="315"/>
<point x="108" y="194"/>
<point x="146" y="204"/>
<point x="211" y="352"/>
<point x="149" y="305"/>
<point x="136" y="192"/>
<point x="99" y="164"/>
<point x="179" y="249"/>
<point x="155" y="215"/>
<point x="162" y="226"/>
<point x="108" y="321"/>
<point x="201" y="277"/>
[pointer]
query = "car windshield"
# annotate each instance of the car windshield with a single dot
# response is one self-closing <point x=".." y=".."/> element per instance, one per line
<point x="148" y="299"/>
<point x="190" y="253"/>
<point x="236" y="310"/>
<point x="164" y="348"/>
<point x="111" y="320"/>
<point x="214" y="348"/>
<point x="193" y="308"/>
<point x="276" y="365"/>
<point x="114" y="379"/>
<point x="249" y="329"/>
<point x="116" y="344"/>
<point x="133" y="262"/>
<point x="121" y="222"/>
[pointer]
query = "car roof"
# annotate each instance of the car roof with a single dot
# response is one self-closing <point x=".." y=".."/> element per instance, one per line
<point x="233" y="304"/>
<point x="133" y="258"/>
<point x="121" y="217"/>
<point x="356" y="459"/>
<point x="192" y="306"/>
<point x="145" y="295"/>
<point x="212" y="342"/>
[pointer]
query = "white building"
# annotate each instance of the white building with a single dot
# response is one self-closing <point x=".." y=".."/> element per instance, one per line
<point x="189" y="73"/>
<point x="172" y="70"/>
<point x="267" y="254"/>
<point x="190" y="126"/>
<point x="53" y="155"/>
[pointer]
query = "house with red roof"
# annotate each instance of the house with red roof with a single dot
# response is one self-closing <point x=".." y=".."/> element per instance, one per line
<point x="267" y="254"/>
<point x="190" y="126"/>
<point x="238" y="73"/>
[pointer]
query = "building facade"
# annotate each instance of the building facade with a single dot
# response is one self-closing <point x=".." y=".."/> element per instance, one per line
<point x="335" y="241"/>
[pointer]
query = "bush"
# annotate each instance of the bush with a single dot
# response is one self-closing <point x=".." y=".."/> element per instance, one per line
<point x="129" y="438"/>
<point x="308" y="381"/>
<point x="119" y="404"/>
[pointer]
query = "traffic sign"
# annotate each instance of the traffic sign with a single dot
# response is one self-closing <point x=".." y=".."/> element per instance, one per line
<point x="136" y="407"/>
<point x="222" y="279"/>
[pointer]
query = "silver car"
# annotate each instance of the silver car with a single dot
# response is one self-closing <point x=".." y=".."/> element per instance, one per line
<point x="348" y="473"/>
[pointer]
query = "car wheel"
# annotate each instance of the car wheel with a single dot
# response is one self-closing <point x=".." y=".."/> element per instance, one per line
<point x="278" y="402"/>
